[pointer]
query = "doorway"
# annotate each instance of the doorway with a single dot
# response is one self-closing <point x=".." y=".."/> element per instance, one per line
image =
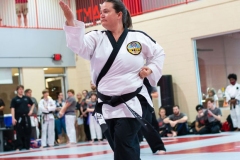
<point x="55" y="85"/>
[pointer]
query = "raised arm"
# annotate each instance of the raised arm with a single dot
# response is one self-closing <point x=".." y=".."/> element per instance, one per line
<point x="77" y="41"/>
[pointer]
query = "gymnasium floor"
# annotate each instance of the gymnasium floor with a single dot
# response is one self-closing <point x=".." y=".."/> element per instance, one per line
<point x="222" y="146"/>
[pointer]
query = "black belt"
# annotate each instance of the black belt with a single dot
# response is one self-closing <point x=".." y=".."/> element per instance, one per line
<point x="116" y="100"/>
<point x="44" y="114"/>
<point x="47" y="113"/>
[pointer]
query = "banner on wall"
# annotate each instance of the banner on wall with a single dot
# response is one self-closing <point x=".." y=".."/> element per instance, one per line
<point x="6" y="76"/>
<point x="88" y="11"/>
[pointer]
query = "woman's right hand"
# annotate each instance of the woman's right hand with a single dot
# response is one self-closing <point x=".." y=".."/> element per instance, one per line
<point x="67" y="13"/>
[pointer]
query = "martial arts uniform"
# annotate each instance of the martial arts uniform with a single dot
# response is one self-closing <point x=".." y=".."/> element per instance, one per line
<point x="70" y="118"/>
<point x="153" y="138"/>
<point x="95" y="129"/>
<point x="23" y="127"/>
<point x="122" y="79"/>
<point x="233" y="92"/>
<point x="47" y="108"/>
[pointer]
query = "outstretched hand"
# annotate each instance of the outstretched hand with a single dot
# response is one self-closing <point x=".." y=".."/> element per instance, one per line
<point x="67" y="13"/>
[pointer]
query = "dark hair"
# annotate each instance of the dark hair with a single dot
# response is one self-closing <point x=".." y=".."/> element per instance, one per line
<point x="71" y="90"/>
<point x="199" y="107"/>
<point x="19" y="86"/>
<point x="85" y="90"/>
<point x="45" y="91"/>
<point x="118" y="6"/>
<point x="176" y="106"/>
<point x="27" y="90"/>
<point x="232" y="75"/>
<point x="209" y="99"/>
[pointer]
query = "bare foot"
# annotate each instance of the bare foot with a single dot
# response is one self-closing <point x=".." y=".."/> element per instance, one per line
<point x="174" y="134"/>
<point x="161" y="152"/>
<point x="91" y="141"/>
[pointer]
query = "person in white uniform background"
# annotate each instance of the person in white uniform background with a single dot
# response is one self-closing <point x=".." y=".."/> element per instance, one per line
<point x="232" y="94"/>
<point x="125" y="75"/>
<point x="47" y="107"/>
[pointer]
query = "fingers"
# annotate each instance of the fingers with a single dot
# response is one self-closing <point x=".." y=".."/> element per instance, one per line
<point x="143" y="73"/>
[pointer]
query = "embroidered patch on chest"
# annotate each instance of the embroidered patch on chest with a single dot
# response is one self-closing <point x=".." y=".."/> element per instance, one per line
<point x="134" y="48"/>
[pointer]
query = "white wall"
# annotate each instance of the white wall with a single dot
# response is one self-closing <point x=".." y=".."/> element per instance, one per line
<point x="47" y="12"/>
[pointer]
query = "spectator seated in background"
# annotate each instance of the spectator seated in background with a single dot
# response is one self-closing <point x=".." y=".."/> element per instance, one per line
<point x="214" y="117"/>
<point x="163" y="128"/>
<point x="201" y="121"/>
<point x="178" y="122"/>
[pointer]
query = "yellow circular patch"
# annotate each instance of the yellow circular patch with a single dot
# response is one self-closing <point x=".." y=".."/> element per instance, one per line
<point x="134" y="48"/>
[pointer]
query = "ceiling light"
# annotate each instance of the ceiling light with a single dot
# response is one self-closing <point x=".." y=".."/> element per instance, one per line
<point x="45" y="69"/>
<point x="16" y="74"/>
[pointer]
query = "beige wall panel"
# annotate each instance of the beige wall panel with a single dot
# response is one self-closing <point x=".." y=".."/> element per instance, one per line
<point x="33" y="78"/>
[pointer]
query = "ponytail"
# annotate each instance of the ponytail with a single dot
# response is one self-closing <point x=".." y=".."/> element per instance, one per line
<point x="128" y="20"/>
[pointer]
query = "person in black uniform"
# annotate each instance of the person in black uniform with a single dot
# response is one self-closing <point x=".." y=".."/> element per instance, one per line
<point x="21" y="109"/>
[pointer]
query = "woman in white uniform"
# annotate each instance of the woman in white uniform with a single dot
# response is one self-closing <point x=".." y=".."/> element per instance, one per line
<point x="119" y="84"/>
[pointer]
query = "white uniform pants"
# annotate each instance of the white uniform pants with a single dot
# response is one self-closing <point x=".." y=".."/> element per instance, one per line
<point x="48" y="132"/>
<point x="95" y="128"/>
<point x="70" y="128"/>
<point x="235" y="115"/>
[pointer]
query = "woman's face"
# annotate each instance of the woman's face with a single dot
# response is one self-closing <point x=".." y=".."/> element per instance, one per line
<point x="79" y="96"/>
<point x="162" y="113"/>
<point x="210" y="93"/>
<point x="109" y="18"/>
<point x="60" y="95"/>
<point x="84" y="93"/>
<point x="93" y="98"/>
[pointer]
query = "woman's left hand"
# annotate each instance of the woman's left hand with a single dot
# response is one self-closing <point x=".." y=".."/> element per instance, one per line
<point x="145" y="71"/>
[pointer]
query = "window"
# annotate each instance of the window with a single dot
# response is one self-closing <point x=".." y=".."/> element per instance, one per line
<point x="8" y="85"/>
<point x="217" y="57"/>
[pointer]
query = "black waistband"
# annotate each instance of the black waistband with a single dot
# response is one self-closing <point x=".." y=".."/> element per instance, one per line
<point x="116" y="100"/>
<point x="47" y="113"/>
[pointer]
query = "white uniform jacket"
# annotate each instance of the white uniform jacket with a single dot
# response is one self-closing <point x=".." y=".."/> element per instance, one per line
<point x="46" y="107"/>
<point x="137" y="50"/>
<point x="233" y="91"/>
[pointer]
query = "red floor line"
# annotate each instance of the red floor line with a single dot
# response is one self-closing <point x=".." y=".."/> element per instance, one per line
<point x="177" y="140"/>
